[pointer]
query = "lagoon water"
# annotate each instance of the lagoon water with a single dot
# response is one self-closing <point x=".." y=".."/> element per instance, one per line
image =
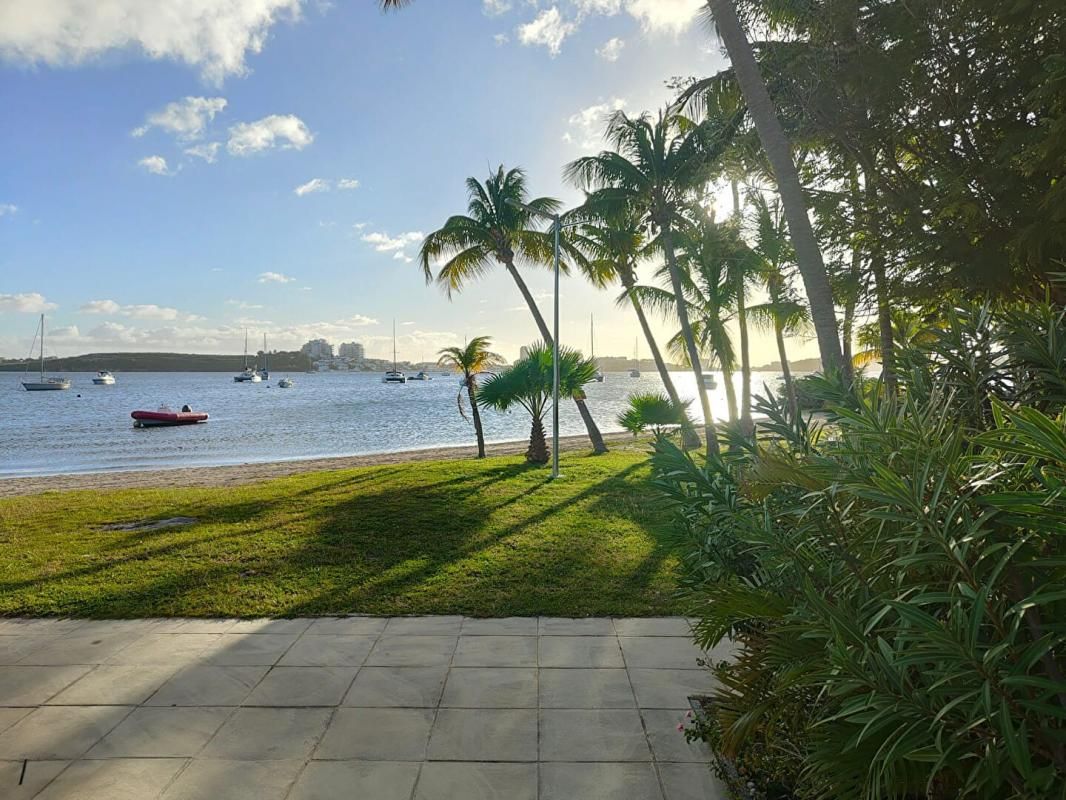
<point x="88" y="428"/>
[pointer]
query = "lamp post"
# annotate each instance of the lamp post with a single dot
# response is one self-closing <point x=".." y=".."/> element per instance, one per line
<point x="557" y="226"/>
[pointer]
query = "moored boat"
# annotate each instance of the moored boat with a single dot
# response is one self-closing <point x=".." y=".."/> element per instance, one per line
<point x="286" y="383"/>
<point x="164" y="417"/>
<point x="104" y="378"/>
<point x="45" y="384"/>
<point x="394" y="375"/>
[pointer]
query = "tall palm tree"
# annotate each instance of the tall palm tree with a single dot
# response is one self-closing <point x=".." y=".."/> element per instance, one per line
<point x="654" y="167"/>
<point x="611" y="243"/>
<point x="528" y="383"/>
<point x="495" y="230"/>
<point x="471" y="361"/>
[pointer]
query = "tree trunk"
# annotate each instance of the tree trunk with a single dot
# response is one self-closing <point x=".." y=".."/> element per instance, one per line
<point x="598" y="445"/>
<point x="538" y="452"/>
<point x="884" y="308"/>
<point x="786" y="371"/>
<point x="476" y="415"/>
<point x="689" y="437"/>
<point x="690" y="341"/>
<point x="746" y="424"/>
<point x="730" y="393"/>
<point x="779" y="153"/>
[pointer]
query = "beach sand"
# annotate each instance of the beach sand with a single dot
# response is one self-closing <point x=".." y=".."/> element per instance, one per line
<point x="236" y="474"/>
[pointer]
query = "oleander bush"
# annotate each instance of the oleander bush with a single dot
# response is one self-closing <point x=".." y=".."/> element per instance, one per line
<point x="893" y="577"/>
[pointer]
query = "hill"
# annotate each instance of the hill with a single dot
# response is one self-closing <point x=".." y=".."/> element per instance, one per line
<point x="157" y="362"/>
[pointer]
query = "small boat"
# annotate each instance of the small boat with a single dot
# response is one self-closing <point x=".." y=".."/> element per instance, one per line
<point x="164" y="417"/>
<point x="44" y="384"/>
<point x="394" y="375"/>
<point x="286" y="383"/>
<point x="249" y="375"/>
<point x="421" y="376"/>
<point x="104" y="378"/>
<point x="635" y="372"/>
<point x="597" y="377"/>
<point x="710" y="382"/>
<point x="264" y="371"/>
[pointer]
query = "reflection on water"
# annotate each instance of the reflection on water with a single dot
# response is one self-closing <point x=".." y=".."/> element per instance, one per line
<point x="89" y="428"/>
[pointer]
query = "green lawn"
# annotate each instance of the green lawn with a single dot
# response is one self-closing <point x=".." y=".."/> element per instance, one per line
<point x="489" y="538"/>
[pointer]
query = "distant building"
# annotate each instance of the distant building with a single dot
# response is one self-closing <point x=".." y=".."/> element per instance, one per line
<point x="352" y="350"/>
<point x="317" y="349"/>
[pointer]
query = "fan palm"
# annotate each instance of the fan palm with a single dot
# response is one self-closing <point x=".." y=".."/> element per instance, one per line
<point x="653" y="410"/>
<point x="471" y="361"/>
<point x="495" y="230"/>
<point x="654" y="167"/>
<point x="528" y="383"/>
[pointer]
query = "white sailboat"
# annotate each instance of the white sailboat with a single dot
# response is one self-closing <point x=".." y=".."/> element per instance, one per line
<point x="635" y="372"/>
<point x="394" y="375"/>
<point x="598" y="377"/>
<point x="249" y="375"/>
<point x="264" y="371"/>
<point x="50" y="384"/>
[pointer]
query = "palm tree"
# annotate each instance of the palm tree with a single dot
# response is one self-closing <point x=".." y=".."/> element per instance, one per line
<point x="495" y="230"/>
<point x="653" y="410"/>
<point x="611" y="243"/>
<point x="471" y="361"/>
<point x="528" y="383"/>
<point x="653" y="169"/>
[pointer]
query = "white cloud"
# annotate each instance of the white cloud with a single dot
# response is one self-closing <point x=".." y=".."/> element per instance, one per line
<point x="213" y="35"/>
<point x="495" y="7"/>
<point x="549" y="29"/>
<point x="501" y="39"/>
<point x="611" y="49"/>
<point x="243" y="305"/>
<point x="157" y="165"/>
<point x="100" y="307"/>
<point x="348" y="183"/>
<point x="27" y="303"/>
<point x="7" y="208"/>
<point x="186" y="118"/>
<point x="274" y="277"/>
<point x="606" y="7"/>
<point x="397" y="245"/>
<point x="359" y="225"/>
<point x="664" y="16"/>
<point x="312" y="186"/>
<point x="278" y="130"/>
<point x="137" y="311"/>
<point x="207" y="151"/>
<point x="586" y="126"/>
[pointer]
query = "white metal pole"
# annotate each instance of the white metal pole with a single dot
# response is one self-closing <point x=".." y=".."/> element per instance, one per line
<point x="555" y="361"/>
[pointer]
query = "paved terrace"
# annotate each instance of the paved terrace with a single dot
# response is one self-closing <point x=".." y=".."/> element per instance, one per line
<point x="432" y="708"/>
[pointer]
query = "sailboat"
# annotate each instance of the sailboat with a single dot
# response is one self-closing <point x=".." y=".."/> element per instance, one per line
<point x="45" y="384"/>
<point x="635" y="372"/>
<point x="598" y="376"/>
<point x="249" y="375"/>
<point x="394" y="375"/>
<point x="264" y="371"/>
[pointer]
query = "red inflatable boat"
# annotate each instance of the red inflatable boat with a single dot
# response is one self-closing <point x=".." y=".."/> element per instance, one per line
<point x="154" y="419"/>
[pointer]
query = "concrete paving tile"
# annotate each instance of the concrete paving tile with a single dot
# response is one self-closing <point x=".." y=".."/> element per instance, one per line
<point x="31" y="686"/>
<point x="329" y="651"/>
<point x="490" y="687"/>
<point x="667" y="742"/>
<point x="585" y="688"/>
<point x="248" y="649"/>
<point x="484" y="734"/>
<point x="668" y="688"/>
<point x="91" y="647"/>
<point x="58" y="732"/>
<point x="379" y="780"/>
<point x="172" y="649"/>
<point x="161" y="733"/>
<point x="186" y="625"/>
<point x="587" y="626"/>
<point x="580" y="651"/>
<point x="599" y="782"/>
<point x="652" y="626"/>
<point x="14" y="647"/>
<point x="377" y="734"/>
<point x="352" y="626"/>
<point x="424" y="626"/>
<point x="691" y="782"/>
<point x="9" y="716"/>
<point x="268" y="734"/>
<point x="496" y="651"/>
<point x="21" y="780"/>
<point x="504" y="626"/>
<point x="22" y="626"/>
<point x="592" y="735"/>
<point x="109" y="685"/>
<point x="113" y="779"/>
<point x="268" y="625"/>
<point x="412" y="651"/>
<point x="302" y="686"/>
<point x="442" y="780"/>
<point x="208" y="779"/>
<point x="661" y="652"/>
<point x="208" y="686"/>
<point x="412" y="687"/>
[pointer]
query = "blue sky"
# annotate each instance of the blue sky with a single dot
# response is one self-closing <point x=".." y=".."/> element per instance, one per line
<point x="151" y="161"/>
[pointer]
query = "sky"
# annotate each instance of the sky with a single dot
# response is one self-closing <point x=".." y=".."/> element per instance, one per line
<point x="174" y="173"/>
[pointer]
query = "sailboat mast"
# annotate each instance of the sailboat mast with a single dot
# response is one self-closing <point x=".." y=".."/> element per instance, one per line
<point x="394" y="345"/>
<point x="42" y="348"/>
<point x="592" y="338"/>
<point x="246" y="348"/>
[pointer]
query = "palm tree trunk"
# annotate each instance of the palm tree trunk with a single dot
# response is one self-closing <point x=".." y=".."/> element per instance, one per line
<point x="538" y="452"/>
<point x="598" y="445"/>
<point x="779" y="153"/>
<point x="730" y="393"/>
<point x="689" y="437"/>
<point x="884" y="309"/>
<point x="690" y="341"/>
<point x="476" y="417"/>
<point x="742" y="321"/>
<point x="786" y="371"/>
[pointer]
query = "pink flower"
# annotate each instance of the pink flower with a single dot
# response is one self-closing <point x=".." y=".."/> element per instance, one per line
<point x="688" y="715"/>
<point x="681" y="726"/>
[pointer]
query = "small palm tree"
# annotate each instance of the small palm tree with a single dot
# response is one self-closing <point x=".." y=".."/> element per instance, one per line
<point x="653" y="410"/>
<point x="471" y="361"/>
<point x="528" y="383"/>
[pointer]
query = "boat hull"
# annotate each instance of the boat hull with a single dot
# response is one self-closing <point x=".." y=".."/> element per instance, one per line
<point x="164" y="419"/>
<point x="45" y="386"/>
<point x="104" y="381"/>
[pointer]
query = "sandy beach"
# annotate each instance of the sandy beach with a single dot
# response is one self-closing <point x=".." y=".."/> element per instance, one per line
<point x="236" y="474"/>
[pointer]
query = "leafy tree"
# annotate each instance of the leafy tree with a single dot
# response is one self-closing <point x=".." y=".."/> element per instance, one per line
<point x="471" y="361"/>
<point x="653" y="410"/>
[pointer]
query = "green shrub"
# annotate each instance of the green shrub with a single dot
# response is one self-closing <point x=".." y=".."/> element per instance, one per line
<point x="894" y="578"/>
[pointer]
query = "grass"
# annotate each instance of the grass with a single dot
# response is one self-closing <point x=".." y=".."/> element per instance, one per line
<point x="484" y="538"/>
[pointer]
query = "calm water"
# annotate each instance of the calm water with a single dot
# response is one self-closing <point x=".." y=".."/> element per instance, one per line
<point x="88" y="428"/>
